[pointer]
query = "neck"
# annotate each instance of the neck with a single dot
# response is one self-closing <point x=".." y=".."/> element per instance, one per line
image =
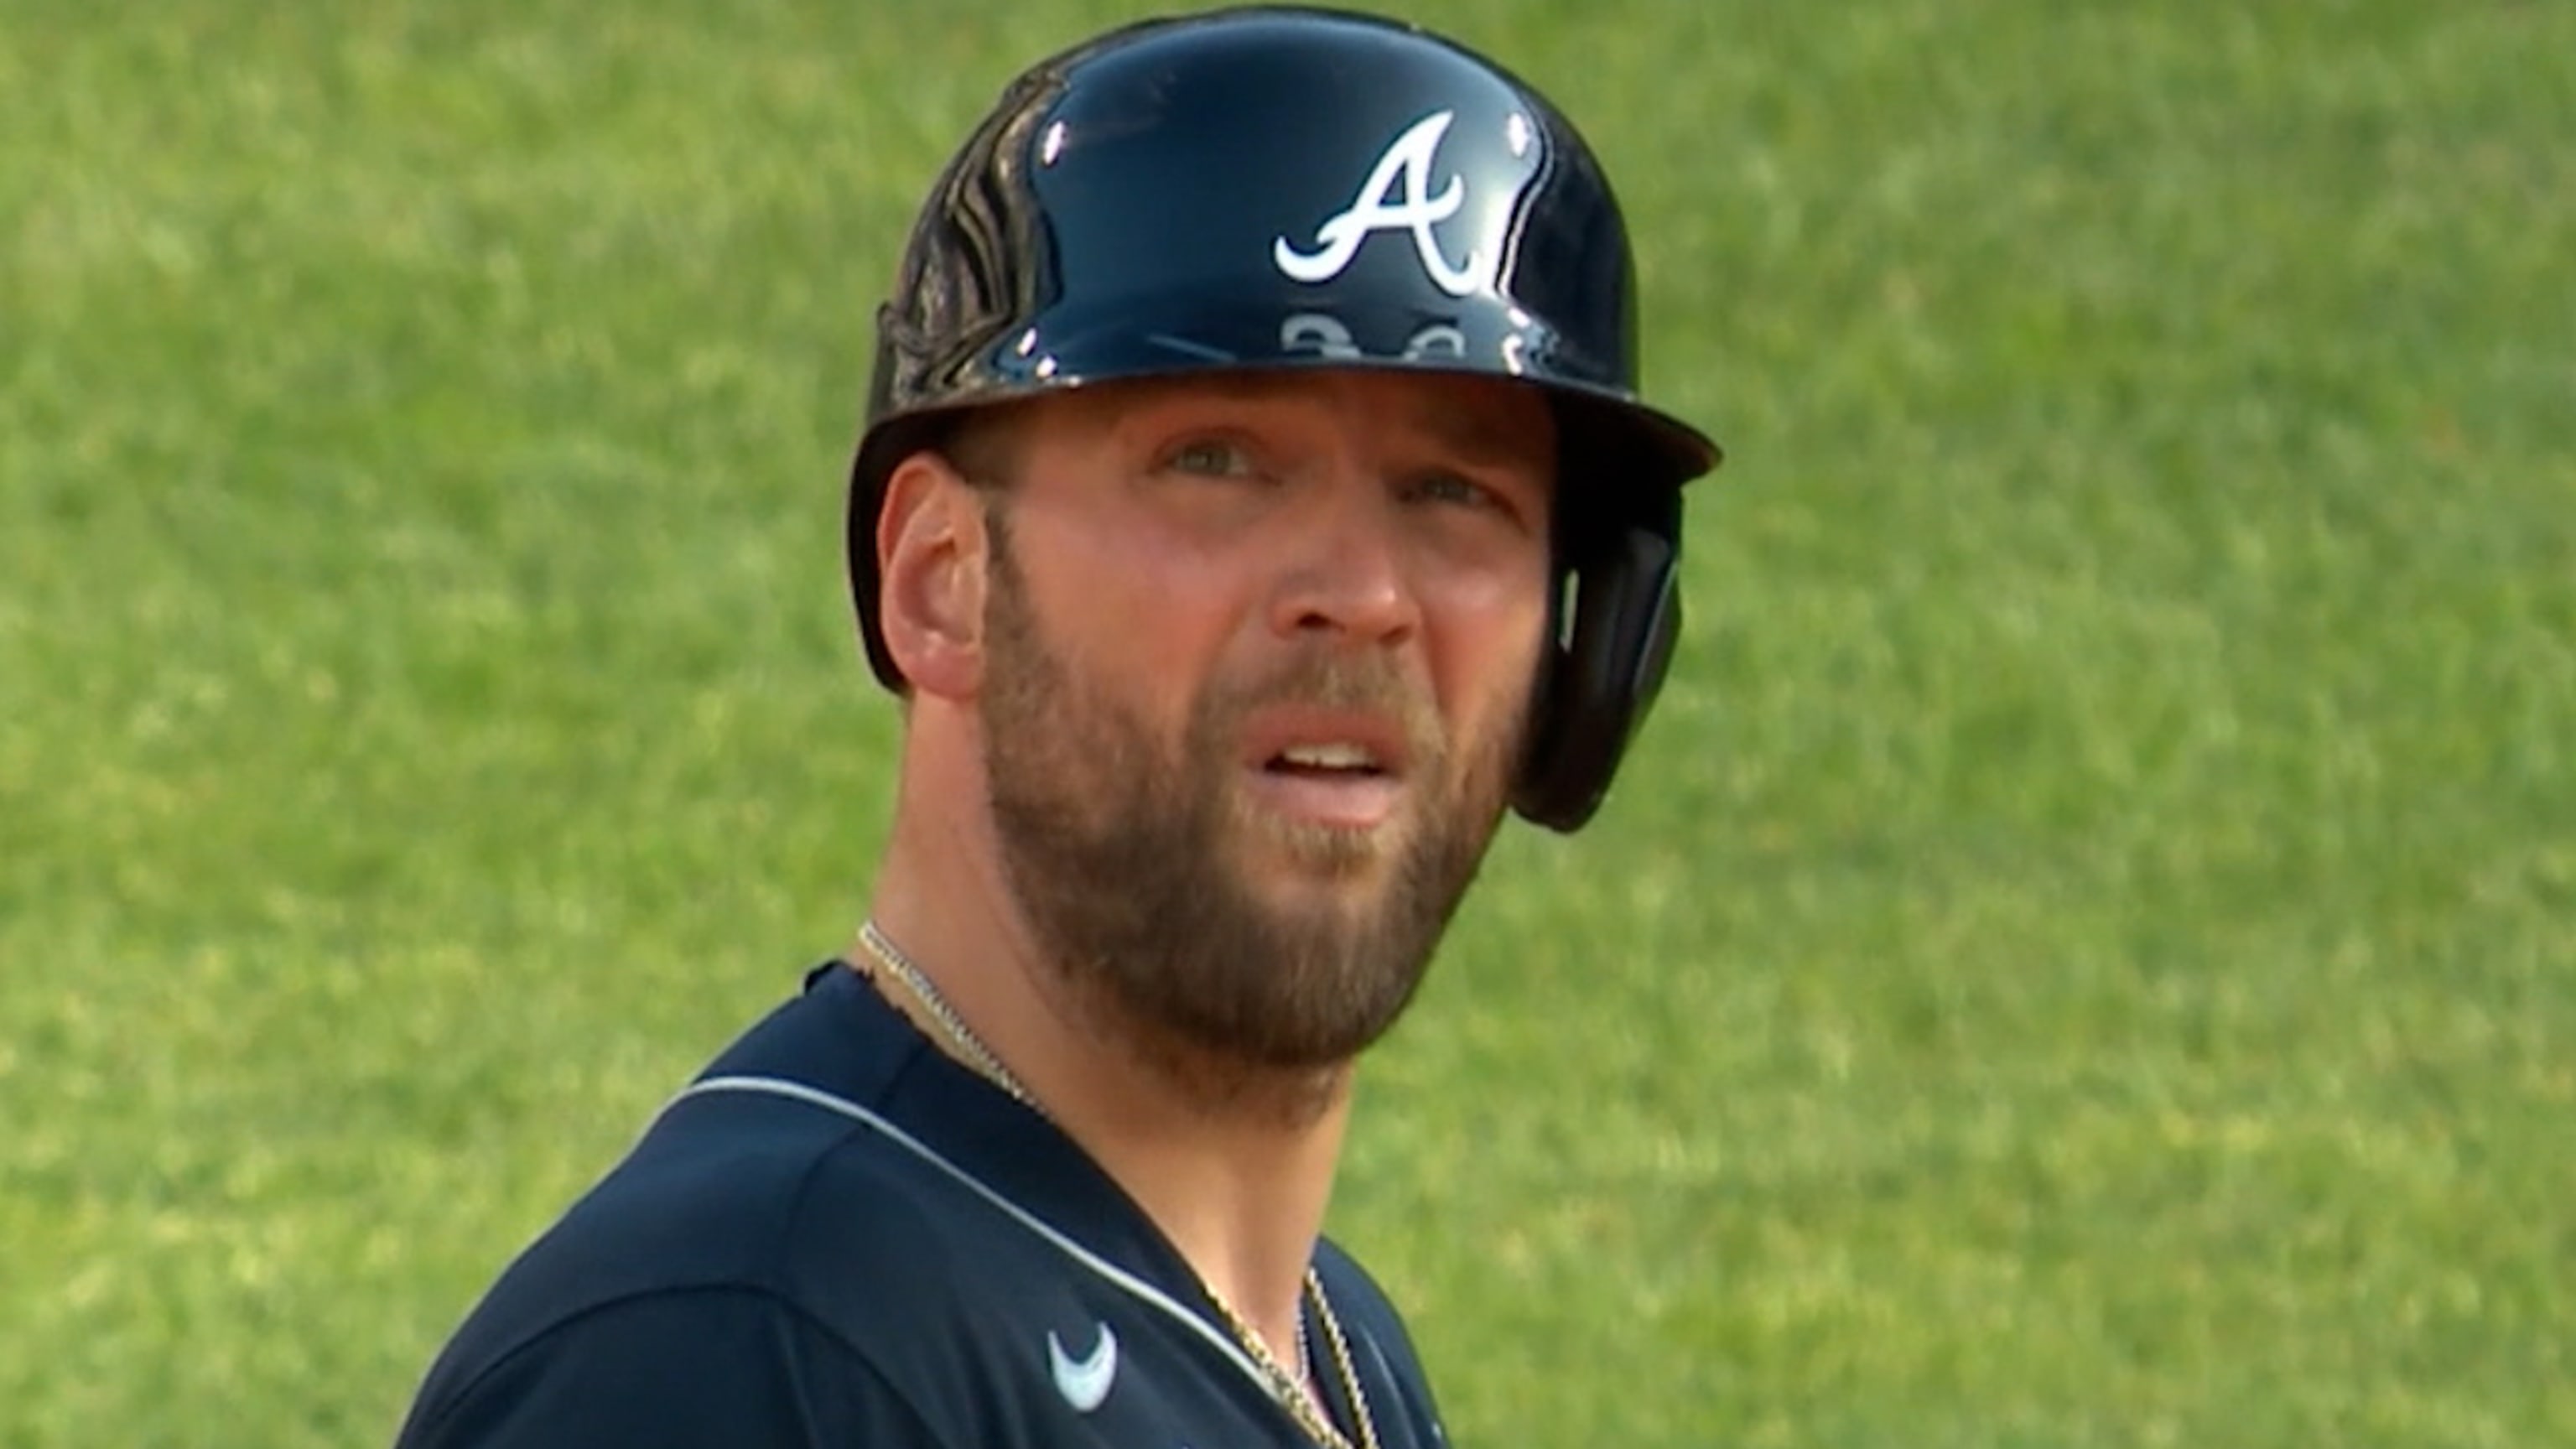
<point x="1234" y="1165"/>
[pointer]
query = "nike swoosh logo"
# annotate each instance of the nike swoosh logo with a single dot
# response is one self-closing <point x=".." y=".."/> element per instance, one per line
<point x="1084" y="1381"/>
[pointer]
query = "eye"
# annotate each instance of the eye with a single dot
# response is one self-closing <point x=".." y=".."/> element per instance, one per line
<point x="1454" y="488"/>
<point x="1209" y="457"/>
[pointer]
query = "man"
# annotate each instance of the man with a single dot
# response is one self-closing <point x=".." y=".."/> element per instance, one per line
<point x="1255" y="503"/>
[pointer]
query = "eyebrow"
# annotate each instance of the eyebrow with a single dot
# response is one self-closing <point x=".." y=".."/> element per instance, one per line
<point x="1479" y="440"/>
<point x="1474" y="435"/>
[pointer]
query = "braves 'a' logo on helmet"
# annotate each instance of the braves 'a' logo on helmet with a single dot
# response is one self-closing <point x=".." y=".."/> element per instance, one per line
<point x="1408" y="161"/>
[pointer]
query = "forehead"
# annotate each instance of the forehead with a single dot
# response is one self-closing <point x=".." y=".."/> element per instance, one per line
<point x="1494" y="420"/>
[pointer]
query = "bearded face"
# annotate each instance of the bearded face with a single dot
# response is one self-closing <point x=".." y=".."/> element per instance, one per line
<point x="1161" y="889"/>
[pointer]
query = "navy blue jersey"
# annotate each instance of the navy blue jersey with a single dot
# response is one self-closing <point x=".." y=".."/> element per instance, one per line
<point x="839" y="1236"/>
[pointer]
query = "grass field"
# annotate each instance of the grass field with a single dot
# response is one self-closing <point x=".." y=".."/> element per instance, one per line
<point x="2085" y="956"/>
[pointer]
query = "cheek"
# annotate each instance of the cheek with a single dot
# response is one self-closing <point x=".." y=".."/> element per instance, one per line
<point x="1140" y="616"/>
<point x="1494" y="631"/>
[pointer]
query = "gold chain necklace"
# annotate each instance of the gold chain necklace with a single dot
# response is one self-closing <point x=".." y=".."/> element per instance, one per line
<point x="1288" y="1386"/>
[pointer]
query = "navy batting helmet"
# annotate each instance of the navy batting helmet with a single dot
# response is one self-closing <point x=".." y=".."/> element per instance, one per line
<point x="1289" y="187"/>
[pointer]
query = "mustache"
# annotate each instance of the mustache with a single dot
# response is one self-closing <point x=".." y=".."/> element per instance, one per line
<point x="1369" y="682"/>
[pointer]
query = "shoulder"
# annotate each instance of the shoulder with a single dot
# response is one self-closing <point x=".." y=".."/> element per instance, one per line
<point x="760" y="1223"/>
<point x="702" y="1366"/>
<point x="745" y="1195"/>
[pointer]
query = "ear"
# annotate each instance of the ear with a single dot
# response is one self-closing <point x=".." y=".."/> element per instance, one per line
<point x="931" y="557"/>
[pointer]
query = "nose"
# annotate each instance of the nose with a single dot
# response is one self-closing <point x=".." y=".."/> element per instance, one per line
<point x="1347" y="581"/>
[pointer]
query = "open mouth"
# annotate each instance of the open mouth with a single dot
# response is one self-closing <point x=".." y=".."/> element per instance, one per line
<point x="1341" y="769"/>
<point x="1334" y="782"/>
<point x="1326" y="762"/>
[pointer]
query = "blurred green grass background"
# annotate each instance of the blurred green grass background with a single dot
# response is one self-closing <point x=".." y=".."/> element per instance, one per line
<point x="2085" y="953"/>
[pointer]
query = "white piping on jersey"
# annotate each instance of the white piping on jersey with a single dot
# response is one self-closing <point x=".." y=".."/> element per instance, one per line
<point x="1147" y="1292"/>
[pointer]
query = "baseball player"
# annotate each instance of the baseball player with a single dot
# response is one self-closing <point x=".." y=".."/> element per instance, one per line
<point x="1255" y="504"/>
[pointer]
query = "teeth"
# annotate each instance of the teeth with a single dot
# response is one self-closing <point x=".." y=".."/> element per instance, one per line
<point x="1341" y="756"/>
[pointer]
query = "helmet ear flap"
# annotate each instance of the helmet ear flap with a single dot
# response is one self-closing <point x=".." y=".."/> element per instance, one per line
<point x="1607" y="662"/>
